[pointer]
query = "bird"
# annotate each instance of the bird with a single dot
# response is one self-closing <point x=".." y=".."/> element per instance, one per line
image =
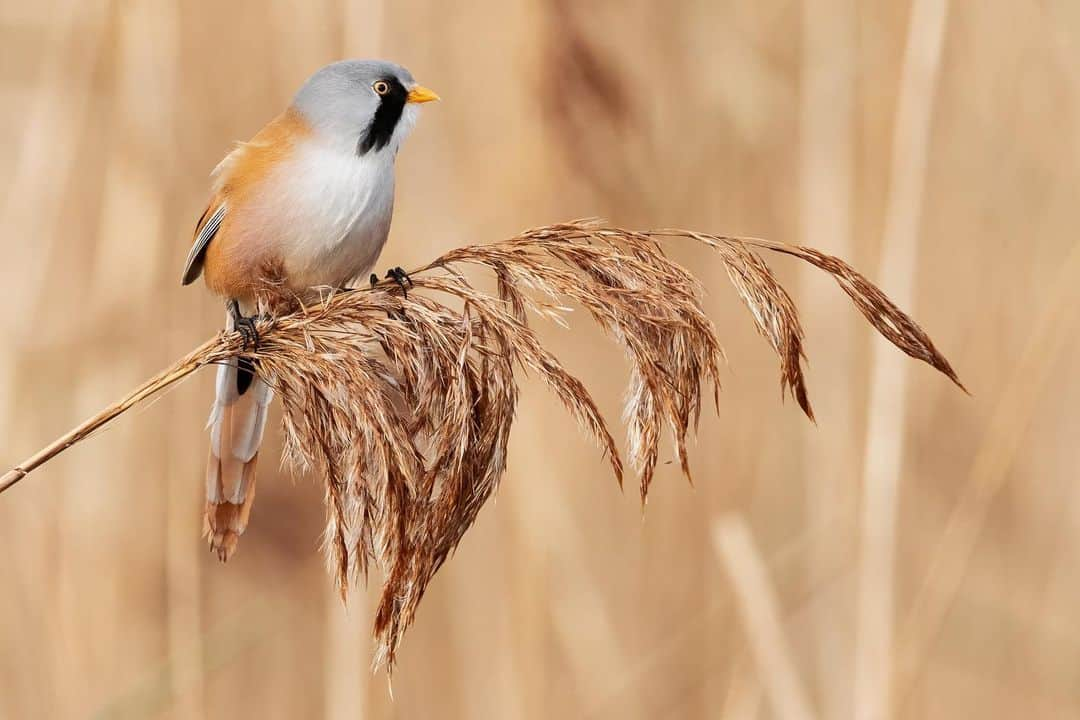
<point x="306" y="203"/>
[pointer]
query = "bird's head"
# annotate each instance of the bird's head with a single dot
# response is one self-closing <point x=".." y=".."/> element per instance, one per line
<point x="369" y="106"/>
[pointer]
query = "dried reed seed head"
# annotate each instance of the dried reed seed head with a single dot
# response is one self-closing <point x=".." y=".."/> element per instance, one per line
<point x="403" y="405"/>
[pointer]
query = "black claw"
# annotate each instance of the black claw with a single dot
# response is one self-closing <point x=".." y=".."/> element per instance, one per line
<point x="245" y="326"/>
<point x="401" y="278"/>
<point x="374" y="280"/>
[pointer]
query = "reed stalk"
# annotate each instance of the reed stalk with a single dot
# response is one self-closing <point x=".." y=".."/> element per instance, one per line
<point x="402" y="402"/>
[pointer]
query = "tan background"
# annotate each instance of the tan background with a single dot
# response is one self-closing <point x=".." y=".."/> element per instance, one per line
<point x="913" y="555"/>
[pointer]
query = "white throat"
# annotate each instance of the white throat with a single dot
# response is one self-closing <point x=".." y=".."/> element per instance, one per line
<point x="341" y="204"/>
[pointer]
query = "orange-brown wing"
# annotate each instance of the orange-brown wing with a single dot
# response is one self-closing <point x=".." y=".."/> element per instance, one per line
<point x="235" y="178"/>
<point x="205" y="231"/>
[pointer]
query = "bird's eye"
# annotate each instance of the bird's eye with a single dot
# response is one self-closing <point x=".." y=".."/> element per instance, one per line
<point x="381" y="87"/>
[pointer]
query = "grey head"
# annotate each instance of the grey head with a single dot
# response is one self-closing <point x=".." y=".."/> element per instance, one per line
<point x="366" y="106"/>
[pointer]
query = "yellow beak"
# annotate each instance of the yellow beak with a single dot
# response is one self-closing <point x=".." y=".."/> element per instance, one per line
<point x="420" y="94"/>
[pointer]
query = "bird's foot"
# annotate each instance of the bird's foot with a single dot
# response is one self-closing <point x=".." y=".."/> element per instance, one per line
<point x="403" y="281"/>
<point x="396" y="274"/>
<point x="400" y="277"/>
<point x="245" y="326"/>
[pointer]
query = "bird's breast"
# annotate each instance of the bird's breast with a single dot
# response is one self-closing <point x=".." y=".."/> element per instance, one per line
<point x="327" y="213"/>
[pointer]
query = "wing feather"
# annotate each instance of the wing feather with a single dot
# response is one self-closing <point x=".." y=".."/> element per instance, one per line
<point x="208" y="226"/>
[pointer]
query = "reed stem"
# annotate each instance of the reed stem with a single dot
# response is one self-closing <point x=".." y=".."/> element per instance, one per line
<point x="171" y="375"/>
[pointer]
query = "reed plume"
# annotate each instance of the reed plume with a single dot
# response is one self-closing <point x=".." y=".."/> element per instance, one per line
<point x="402" y="402"/>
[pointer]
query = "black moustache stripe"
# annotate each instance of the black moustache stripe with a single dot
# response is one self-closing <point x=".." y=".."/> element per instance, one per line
<point x="387" y="115"/>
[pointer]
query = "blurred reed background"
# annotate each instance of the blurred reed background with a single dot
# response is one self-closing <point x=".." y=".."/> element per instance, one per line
<point x="910" y="556"/>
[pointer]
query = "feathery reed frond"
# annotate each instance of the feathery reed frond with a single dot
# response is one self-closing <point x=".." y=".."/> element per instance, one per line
<point x="403" y="404"/>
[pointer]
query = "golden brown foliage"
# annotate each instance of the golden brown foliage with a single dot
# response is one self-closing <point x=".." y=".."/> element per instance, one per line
<point x="403" y="403"/>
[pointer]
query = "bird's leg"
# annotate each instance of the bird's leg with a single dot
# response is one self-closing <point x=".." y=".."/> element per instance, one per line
<point x="244" y="325"/>
<point x="401" y="278"/>
<point x="396" y="274"/>
<point x="403" y="281"/>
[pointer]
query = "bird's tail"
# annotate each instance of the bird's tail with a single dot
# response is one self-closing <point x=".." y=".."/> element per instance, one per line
<point x="236" y="429"/>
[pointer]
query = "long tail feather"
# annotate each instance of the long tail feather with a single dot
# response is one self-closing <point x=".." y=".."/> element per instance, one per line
<point x="236" y="426"/>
